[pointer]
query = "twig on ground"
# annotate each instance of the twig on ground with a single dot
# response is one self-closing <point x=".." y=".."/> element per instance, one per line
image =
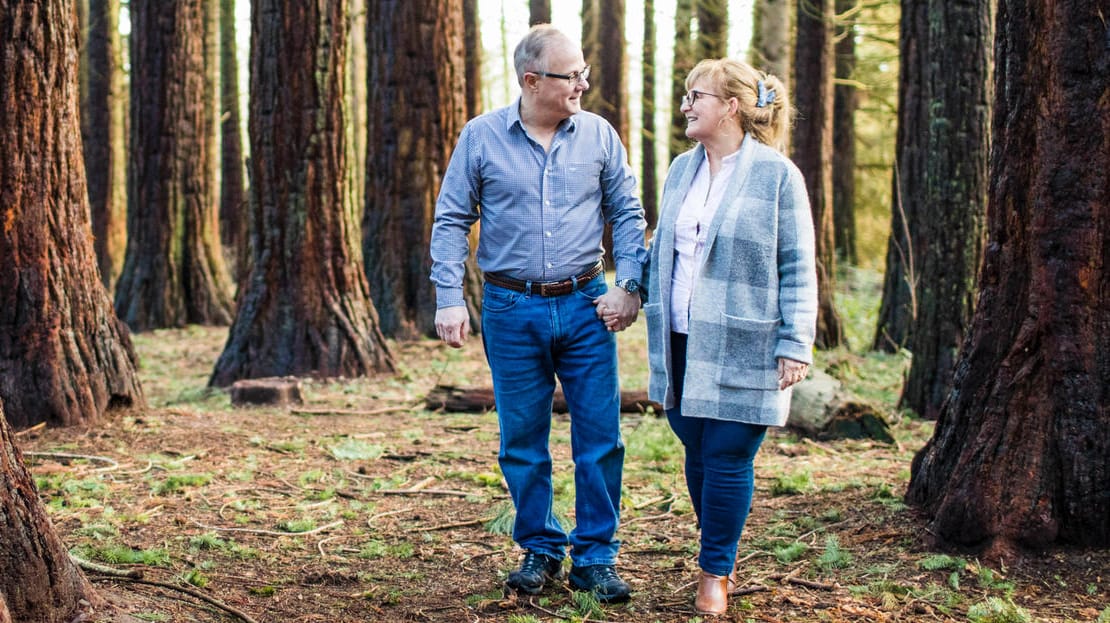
<point x="88" y="565"/>
<point x="461" y="524"/>
<point x="755" y="554"/>
<point x="271" y="532"/>
<point x="447" y="492"/>
<point x="476" y="557"/>
<point x="320" y="544"/>
<point x="370" y="520"/>
<point x="188" y="591"/>
<point x="817" y="444"/>
<point x="789" y="578"/>
<point x="62" y="455"/>
<point x="381" y="411"/>
<point x="649" y="518"/>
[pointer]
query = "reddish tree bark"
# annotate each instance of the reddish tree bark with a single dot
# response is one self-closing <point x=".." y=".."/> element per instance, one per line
<point x="845" y="103"/>
<point x="174" y="272"/>
<point x="712" y="29"/>
<point x="813" y="143"/>
<point x="64" y="356"/>
<point x="306" y="306"/>
<point x="472" y="43"/>
<point x="1021" y="451"/>
<point x="680" y="68"/>
<point x="38" y="580"/>
<point x="418" y="107"/>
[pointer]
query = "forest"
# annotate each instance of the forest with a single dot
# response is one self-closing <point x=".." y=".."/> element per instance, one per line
<point x="222" y="397"/>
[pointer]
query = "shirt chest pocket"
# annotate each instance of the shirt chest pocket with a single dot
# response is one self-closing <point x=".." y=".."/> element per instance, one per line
<point x="582" y="182"/>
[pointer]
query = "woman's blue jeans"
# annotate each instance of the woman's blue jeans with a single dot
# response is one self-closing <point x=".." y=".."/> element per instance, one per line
<point x="719" y="472"/>
<point x="529" y="341"/>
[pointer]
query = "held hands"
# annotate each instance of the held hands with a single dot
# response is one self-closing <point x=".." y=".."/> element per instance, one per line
<point x="617" y="308"/>
<point x="791" y="372"/>
<point x="453" y="325"/>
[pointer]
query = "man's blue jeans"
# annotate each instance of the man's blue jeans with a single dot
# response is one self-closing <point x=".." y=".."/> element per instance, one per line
<point x="529" y="340"/>
<point x="719" y="472"/>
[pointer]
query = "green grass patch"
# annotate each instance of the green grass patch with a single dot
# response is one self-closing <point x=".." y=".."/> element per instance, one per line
<point x="996" y="610"/>
<point x="834" y="557"/>
<point x="938" y="562"/>
<point x="792" y="484"/>
<point x="355" y="450"/>
<point x="178" y="482"/>
<point x="116" y="554"/>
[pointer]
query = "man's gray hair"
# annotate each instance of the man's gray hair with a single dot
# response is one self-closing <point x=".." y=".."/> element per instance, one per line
<point x="531" y="52"/>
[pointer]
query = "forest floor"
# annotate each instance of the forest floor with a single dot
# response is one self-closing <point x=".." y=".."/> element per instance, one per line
<point x="360" y="505"/>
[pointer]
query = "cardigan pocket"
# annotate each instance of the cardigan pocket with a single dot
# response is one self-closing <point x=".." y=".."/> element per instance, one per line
<point x="748" y="353"/>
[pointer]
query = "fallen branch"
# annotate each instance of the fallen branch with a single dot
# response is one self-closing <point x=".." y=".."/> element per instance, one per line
<point x="271" y="532"/>
<point x="88" y="565"/>
<point x="188" y="591"/>
<point x="449" y="492"/>
<point x="27" y="431"/>
<point x="649" y="518"/>
<point x="788" y="578"/>
<point x="371" y="412"/>
<point x="480" y="399"/>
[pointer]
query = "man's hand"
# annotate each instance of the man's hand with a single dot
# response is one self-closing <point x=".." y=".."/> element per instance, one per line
<point x="791" y="372"/>
<point x="617" y="308"/>
<point x="453" y="325"/>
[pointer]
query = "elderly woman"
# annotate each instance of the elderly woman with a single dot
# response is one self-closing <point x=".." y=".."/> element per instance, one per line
<point x="732" y="305"/>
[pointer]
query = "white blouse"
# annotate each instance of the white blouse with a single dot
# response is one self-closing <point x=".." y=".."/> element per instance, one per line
<point x="691" y="230"/>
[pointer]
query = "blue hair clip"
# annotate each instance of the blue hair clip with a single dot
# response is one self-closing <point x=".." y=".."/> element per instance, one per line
<point x="766" y="96"/>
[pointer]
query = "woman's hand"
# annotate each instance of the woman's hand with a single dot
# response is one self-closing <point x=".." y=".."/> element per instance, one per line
<point x="791" y="372"/>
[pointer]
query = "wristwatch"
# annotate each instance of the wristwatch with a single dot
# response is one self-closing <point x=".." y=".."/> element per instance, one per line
<point x="630" y="286"/>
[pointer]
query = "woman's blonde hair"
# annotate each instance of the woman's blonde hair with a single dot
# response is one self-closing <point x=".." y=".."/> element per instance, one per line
<point x="765" y="110"/>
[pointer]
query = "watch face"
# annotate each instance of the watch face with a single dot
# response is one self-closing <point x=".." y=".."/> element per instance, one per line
<point x="630" y="286"/>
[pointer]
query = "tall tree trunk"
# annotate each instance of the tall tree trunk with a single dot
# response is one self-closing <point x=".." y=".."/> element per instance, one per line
<point x="592" y="98"/>
<point x="845" y="103"/>
<point x="1021" y="451"/>
<point x="770" y="46"/>
<point x="356" y="108"/>
<point x="233" y="194"/>
<point x="958" y="81"/>
<point x="539" y="12"/>
<point x="174" y="272"/>
<point x="712" y="29"/>
<point x="649" y="187"/>
<point x="899" y="303"/>
<point x="102" y="118"/>
<point x="65" y="358"/>
<point x="417" y="99"/>
<point x="306" y="307"/>
<point x="613" y="66"/>
<point x="38" y="580"/>
<point x="683" y="63"/>
<point x="813" y="143"/>
<point x="472" y="43"/>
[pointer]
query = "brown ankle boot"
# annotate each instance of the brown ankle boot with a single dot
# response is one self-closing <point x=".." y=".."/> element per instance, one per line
<point x="712" y="595"/>
<point x="732" y="582"/>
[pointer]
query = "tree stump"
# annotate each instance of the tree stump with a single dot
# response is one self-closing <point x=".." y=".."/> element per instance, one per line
<point x="281" y="391"/>
<point x="823" y="409"/>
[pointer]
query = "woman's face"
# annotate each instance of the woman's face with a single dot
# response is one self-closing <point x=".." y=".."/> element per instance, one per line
<point x="704" y="109"/>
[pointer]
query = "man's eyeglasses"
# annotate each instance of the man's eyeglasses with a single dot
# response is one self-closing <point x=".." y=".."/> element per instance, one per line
<point x="573" y="77"/>
<point x="693" y="95"/>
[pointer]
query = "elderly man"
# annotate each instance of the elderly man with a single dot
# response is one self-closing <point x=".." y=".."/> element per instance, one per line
<point x="544" y="177"/>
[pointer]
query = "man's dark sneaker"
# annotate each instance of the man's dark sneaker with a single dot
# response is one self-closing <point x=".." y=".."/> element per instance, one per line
<point x="535" y="570"/>
<point x="602" y="581"/>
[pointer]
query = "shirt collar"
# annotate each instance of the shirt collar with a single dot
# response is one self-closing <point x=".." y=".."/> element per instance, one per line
<point x="513" y="118"/>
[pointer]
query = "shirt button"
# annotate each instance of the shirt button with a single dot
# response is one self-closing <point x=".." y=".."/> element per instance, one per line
<point x="547" y="203"/>
<point x="547" y="233"/>
<point x="550" y="265"/>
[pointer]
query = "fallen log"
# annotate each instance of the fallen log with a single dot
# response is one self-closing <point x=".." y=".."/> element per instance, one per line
<point x="480" y="399"/>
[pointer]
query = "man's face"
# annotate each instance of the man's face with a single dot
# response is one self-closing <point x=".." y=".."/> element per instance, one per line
<point x="560" y="96"/>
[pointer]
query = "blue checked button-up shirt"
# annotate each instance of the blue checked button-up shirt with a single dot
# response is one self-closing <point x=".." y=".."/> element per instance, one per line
<point x="542" y="213"/>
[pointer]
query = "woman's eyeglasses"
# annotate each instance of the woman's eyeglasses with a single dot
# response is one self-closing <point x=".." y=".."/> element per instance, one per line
<point x="692" y="96"/>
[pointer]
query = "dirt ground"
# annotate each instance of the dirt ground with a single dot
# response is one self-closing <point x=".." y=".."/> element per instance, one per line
<point x="362" y="506"/>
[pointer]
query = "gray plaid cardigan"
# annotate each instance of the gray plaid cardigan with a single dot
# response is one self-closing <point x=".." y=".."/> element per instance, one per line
<point x="755" y="299"/>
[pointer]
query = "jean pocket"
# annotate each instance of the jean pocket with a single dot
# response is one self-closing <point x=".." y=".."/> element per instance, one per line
<point x="748" y="353"/>
<point x="592" y="289"/>
<point x="497" y="299"/>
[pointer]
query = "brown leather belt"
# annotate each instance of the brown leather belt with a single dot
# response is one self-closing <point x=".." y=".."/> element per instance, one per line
<point x="546" y="288"/>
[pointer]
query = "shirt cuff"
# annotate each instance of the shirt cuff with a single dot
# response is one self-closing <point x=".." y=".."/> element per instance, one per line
<point x="630" y="270"/>
<point x="449" y="297"/>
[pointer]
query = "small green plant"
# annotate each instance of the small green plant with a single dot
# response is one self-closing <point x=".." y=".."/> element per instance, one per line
<point x="151" y="616"/>
<point x="523" y="618"/>
<point x="207" y="541"/>
<point x="989" y="579"/>
<point x="355" y="450"/>
<point x="995" y="610"/>
<point x="478" y="599"/>
<point x="587" y="606"/>
<point x="502" y="522"/>
<point x="297" y="525"/>
<point x="177" y="483"/>
<point x="792" y="484"/>
<point x="833" y="557"/>
<point x="1104" y="616"/>
<point x="196" y="578"/>
<point x="789" y="553"/>
<point x="938" y="562"/>
<point x="98" y="531"/>
<point x="116" y="554"/>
